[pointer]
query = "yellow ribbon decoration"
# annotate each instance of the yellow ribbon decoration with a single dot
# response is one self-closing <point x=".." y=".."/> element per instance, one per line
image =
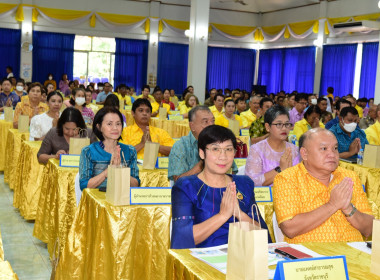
<point x="35" y="14"/>
<point x="6" y="7"/>
<point x="20" y="13"/>
<point x="234" y="30"/>
<point x="258" y="36"/>
<point x="160" y="27"/>
<point x="184" y="25"/>
<point x="147" y="26"/>
<point x="300" y="28"/>
<point x="286" y="33"/>
<point x="63" y="14"/>
<point x="273" y="30"/>
<point x="316" y="26"/>
<point x="121" y="19"/>
<point x="93" y="21"/>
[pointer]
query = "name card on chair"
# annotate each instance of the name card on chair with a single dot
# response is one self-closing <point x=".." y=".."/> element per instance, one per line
<point x="150" y="195"/>
<point x="69" y="160"/>
<point x="310" y="269"/>
<point x="128" y="107"/>
<point x="244" y="132"/>
<point x="175" y="117"/>
<point x="162" y="162"/>
<point x="263" y="194"/>
<point x="174" y="113"/>
<point x="240" y="161"/>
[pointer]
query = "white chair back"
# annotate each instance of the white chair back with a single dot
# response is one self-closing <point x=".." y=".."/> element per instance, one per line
<point x="241" y="170"/>
<point x="78" y="191"/>
<point x="278" y="235"/>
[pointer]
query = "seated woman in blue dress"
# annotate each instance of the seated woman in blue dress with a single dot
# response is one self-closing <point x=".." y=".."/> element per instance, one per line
<point x="95" y="158"/>
<point x="203" y="205"/>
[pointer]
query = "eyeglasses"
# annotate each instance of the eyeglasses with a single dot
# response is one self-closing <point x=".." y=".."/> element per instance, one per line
<point x="281" y="125"/>
<point x="218" y="151"/>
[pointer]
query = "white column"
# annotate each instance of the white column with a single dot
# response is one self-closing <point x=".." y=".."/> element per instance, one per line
<point x="198" y="40"/>
<point x="319" y="56"/>
<point x="377" y="86"/>
<point x="26" y="58"/>
<point x="153" y="44"/>
<point x="256" y="74"/>
<point x="358" y="70"/>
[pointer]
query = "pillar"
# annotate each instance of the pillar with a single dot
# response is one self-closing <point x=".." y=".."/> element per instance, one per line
<point x="153" y="44"/>
<point x="377" y="85"/>
<point x="26" y="57"/>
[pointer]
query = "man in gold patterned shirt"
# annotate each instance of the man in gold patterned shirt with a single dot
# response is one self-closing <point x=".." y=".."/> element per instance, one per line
<point x="318" y="201"/>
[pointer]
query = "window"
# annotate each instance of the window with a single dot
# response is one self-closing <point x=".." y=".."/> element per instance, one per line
<point x="94" y="59"/>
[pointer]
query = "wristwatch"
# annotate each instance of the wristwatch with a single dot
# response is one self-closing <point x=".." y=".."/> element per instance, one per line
<point x="352" y="211"/>
<point x="278" y="169"/>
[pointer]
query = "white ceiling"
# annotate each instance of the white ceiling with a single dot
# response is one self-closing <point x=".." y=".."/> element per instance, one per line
<point x="253" y="6"/>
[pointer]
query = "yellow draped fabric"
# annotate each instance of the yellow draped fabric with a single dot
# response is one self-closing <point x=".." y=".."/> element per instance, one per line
<point x="273" y="30"/>
<point x="370" y="178"/>
<point x="62" y="14"/>
<point x="93" y="20"/>
<point x="183" y="25"/>
<point x="4" y="127"/>
<point x="29" y="173"/>
<point x="6" y="271"/>
<point x="301" y="27"/>
<point x="35" y="14"/>
<point x="12" y="152"/>
<point x="6" y="7"/>
<point x="153" y="178"/>
<point x="20" y="13"/>
<point x="234" y="30"/>
<point x="182" y="265"/>
<point x="259" y="35"/>
<point x="160" y="27"/>
<point x="147" y="26"/>
<point x="181" y="129"/>
<point x="168" y="125"/>
<point x="115" y="242"/>
<point x="121" y="19"/>
<point x="57" y="204"/>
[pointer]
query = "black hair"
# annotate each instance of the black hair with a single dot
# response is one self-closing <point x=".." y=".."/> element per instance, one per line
<point x="100" y="84"/>
<point x="99" y="117"/>
<point x="312" y="109"/>
<point x="218" y="94"/>
<point x="239" y="99"/>
<point x="5" y="79"/>
<point x="112" y="101"/>
<point x="122" y="86"/>
<point x="20" y="81"/>
<point x="300" y="96"/>
<point x="141" y="101"/>
<point x="63" y="75"/>
<point x="50" y="74"/>
<point x="228" y="100"/>
<point x="144" y="87"/>
<point x="74" y="92"/>
<point x="10" y="68"/>
<point x="194" y="110"/>
<point x="215" y="134"/>
<point x="33" y="85"/>
<point x="273" y="112"/>
<point x="50" y="95"/>
<point x="342" y="101"/>
<point x="48" y="85"/>
<point x="70" y="114"/>
<point x="344" y="112"/>
<point x="265" y="99"/>
<point x="71" y="83"/>
<point x="156" y="89"/>
<point x="330" y="90"/>
<point x="320" y="99"/>
<point x="363" y="99"/>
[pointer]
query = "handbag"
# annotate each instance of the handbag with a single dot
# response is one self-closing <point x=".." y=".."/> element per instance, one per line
<point x="77" y="144"/>
<point x="241" y="149"/>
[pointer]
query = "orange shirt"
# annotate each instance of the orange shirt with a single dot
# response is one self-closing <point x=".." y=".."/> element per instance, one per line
<point x="295" y="191"/>
<point x="24" y="108"/>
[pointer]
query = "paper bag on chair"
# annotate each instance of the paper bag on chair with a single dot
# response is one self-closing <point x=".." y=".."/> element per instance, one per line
<point x="371" y="156"/>
<point x="247" y="252"/>
<point x="234" y="126"/>
<point x="150" y="154"/>
<point x="23" y="123"/>
<point x="77" y="144"/>
<point x="162" y="113"/>
<point x="375" y="256"/>
<point x="8" y="114"/>
<point x="118" y="185"/>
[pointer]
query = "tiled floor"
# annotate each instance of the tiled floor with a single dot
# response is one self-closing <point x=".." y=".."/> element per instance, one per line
<point x="27" y="255"/>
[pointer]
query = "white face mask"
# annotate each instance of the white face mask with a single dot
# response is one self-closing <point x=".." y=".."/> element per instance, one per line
<point x="349" y="127"/>
<point x="314" y="101"/>
<point x="50" y="78"/>
<point x="100" y="88"/>
<point x="80" y="101"/>
<point x="19" y="88"/>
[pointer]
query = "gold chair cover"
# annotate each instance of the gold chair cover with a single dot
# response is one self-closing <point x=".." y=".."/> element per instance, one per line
<point x="4" y="127"/>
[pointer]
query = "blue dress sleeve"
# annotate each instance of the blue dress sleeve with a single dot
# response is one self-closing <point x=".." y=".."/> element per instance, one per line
<point x="86" y="169"/>
<point x="182" y="216"/>
<point x="132" y="161"/>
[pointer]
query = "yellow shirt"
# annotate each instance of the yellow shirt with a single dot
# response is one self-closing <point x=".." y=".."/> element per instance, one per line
<point x="155" y="107"/>
<point x="360" y="110"/>
<point x="184" y="109"/>
<point x="23" y="108"/>
<point x="295" y="191"/>
<point x="93" y="107"/>
<point x="302" y="126"/>
<point x="373" y="134"/>
<point x="174" y="99"/>
<point x="223" y="121"/>
<point x="127" y="99"/>
<point x="247" y="118"/>
<point x="215" y="112"/>
<point x="150" y="97"/>
<point x="131" y="135"/>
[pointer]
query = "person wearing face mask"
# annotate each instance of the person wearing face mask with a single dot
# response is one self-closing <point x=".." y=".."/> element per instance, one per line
<point x="350" y="137"/>
<point x="78" y="100"/>
<point x="50" y="80"/>
<point x="19" y="89"/>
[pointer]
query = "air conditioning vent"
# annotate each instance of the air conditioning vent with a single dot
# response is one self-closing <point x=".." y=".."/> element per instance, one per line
<point x="357" y="26"/>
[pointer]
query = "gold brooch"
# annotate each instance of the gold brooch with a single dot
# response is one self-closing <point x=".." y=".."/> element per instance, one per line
<point x="239" y="196"/>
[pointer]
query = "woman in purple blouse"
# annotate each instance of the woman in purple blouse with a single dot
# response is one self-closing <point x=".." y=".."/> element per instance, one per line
<point x="274" y="154"/>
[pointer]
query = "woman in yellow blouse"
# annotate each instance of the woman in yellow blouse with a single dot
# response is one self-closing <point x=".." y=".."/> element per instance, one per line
<point x="31" y="106"/>
<point x="229" y="109"/>
<point x="311" y="120"/>
<point x="50" y="80"/>
<point x="190" y="102"/>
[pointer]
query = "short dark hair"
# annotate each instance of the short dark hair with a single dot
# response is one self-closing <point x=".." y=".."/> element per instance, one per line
<point x="344" y="112"/>
<point x="363" y="99"/>
<point x="98" y="120"/>
<point x="4" y="80"/>
<point x="273" y="112"/>
<point x="229" y="100"/>
<point x="144" y="87"/>
<point x="71" y="83"/>
<point x="265" y="99"/>
<point x="157" y="89"/>
<point x="112" y="100"/>
<point x="330" y="90"/>
<point x="320" y="99"/>
<point x="219" y="94"/>
<point x="194" y="110"/>
<point x="122" y="86"/>
<point x="239" y="99"/>
<point x="20" y="81"/>
<point x="50" y="95"/>
<point x="10" y="68"/>
<point x="342" y="101"/>
<point x="36" y="84"/>
<point x="139" y="102"/>
<point x="215" y="134"/>
<point x="70" y="114"/>
<point x="50" y="74"/>
<point x="300" y="96"/>
<point x="74" y="92"/>
<point x="312" y="109"/>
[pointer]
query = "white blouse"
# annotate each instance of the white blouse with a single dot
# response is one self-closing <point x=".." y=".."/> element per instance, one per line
<point x="40" y="126"/>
